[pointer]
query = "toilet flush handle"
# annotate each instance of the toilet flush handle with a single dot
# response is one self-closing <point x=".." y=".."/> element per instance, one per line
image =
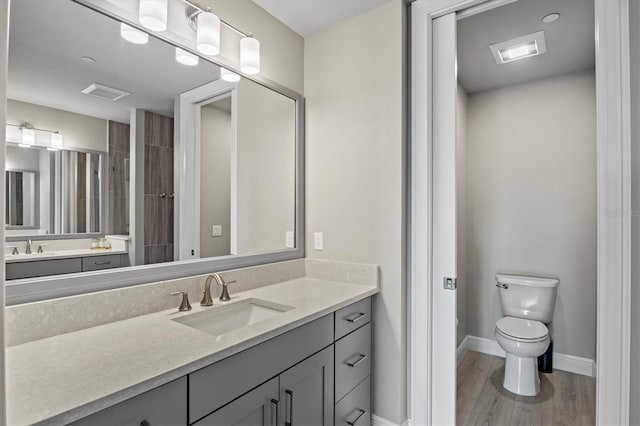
<point x="501" y="285"/>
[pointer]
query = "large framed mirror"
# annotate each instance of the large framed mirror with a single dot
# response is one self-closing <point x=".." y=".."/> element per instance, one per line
<point x="139" y="154"/>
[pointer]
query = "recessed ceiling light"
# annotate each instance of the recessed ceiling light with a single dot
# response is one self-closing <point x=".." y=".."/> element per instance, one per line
<point x="552" y="17"/>
<point x="519" y="48"/>
<point x="87" y="59"/>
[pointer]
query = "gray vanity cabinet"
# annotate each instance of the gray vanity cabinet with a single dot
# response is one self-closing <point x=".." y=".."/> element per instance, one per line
<point x="306" y="391"/>
<point x="258" y="407"/>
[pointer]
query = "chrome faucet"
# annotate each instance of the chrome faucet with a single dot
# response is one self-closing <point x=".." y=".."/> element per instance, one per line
<point x="28" y="249"/>
<point x="224" y="296"/>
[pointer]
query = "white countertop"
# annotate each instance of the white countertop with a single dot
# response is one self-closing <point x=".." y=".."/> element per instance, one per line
<point x="66" y="377"/>
<point x="60" y="254"/>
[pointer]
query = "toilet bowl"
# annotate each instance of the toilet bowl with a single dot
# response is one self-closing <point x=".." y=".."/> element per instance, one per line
<point x="527" y="305"/>
<point x="523" y="341"/>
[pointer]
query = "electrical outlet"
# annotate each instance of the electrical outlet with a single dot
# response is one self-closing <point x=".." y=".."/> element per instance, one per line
<point x="318" y="241"/>
<point x="288" y="240"/>
<point x="216" y="231"/>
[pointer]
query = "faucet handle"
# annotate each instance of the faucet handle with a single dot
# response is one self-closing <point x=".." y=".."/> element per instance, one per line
<point x="184" y="304"/>
<point x="40" y="246"/>
<point x="14" y="250"/>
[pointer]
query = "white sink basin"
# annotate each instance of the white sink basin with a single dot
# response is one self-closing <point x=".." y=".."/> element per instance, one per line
<point x="219" y="320"/>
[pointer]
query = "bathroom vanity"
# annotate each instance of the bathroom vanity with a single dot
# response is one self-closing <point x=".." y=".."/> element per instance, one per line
<point x="292" y="352"/>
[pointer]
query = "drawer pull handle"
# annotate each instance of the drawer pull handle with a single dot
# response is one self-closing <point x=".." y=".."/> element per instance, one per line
<point x="360" y="357"/>
<point x="145" y="423"/>
<point x="290" y="395"/>
<point x="356" y="317"/>
<point x="108" y="262"/>
<point x="354" y="421"/>
<point x="274" y="402"/>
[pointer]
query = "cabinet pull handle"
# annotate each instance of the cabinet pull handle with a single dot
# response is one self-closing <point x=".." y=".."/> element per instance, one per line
<point x="356" y="317"/>
<point x="275" y="402"/>
<point x="102" y="263"/>
<point x="354" y="421"/>
<point x="360" y="357"/>
<point x="290" y="395"/>
<point x="145" y="423"/>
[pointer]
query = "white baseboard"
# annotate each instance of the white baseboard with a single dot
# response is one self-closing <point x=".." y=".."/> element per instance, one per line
<point x="462" y="349"/>
<point x="381" y="421"/>
<point x="570" y="363"/>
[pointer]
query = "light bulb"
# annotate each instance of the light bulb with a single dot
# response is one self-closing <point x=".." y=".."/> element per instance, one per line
<point x="133" y="35"/>
<point x="227" y="75"/>
<point x="208" y="35"/>
<point x="56" y="140"/>
<point x="28" y="136"/>
<point x="249" y="55"/>
<point x="186" y="58"/>
<point x="152" y="14"/>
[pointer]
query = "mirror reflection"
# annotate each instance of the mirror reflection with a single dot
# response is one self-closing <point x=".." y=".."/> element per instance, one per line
<point x="140" y="150"/>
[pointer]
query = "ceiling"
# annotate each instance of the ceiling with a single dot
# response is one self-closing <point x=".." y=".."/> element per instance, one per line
<point x="310" y="16"/>
<point x="570" y="43"/>
<point x="47" y="40"/>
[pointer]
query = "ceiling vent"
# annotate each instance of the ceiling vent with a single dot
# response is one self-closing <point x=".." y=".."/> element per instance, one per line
<point x="519" y="48"/>
<point x="104" y="92"/>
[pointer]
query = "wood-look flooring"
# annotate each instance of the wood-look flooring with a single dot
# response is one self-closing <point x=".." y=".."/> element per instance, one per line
<point x="564" y="399"/>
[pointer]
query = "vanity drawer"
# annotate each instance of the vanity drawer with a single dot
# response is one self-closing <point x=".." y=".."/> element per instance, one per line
<point x="352" y="317"/>
<point x="39" y="268"/>
<point x="353" y="360"/>
<point x="94" y="263"/>
<point x="355" y="408"/>
<point x="165" y="405"/>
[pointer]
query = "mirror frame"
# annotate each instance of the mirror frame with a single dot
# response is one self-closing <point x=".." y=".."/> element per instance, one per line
<point x="56" y="286"/>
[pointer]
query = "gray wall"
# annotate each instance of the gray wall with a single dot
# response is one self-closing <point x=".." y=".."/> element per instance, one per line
<point x="461" y="212"/>
<point x="215" y="190"/>
<point x="531" y="201"/>
<point x="634" y="415"/>
<point x="354" y="93"/>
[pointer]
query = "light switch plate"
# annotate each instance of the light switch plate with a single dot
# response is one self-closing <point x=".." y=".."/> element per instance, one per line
<point x="289" y="242"/>
<point x="318" y="241"/>
<point x="216" y="231"/>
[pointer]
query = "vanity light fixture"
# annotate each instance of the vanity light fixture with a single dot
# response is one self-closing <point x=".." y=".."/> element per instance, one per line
<point x="27" y="135"/>
<point x="250" y="55"/>
<point x="230" y="76"/>
<point x="56" y="140"/>
<point x="133" y="35"/>
<point x="208" y="33"/>
<point x="152" y="14"/>
<point x="519" y="48"/>
<point x="186" y="58"/>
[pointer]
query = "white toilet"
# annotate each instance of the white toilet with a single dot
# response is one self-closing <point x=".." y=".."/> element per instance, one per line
<point x="527" y="305"/>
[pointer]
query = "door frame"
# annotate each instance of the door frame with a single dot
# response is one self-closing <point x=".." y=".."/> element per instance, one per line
<point x="613" y="204"/>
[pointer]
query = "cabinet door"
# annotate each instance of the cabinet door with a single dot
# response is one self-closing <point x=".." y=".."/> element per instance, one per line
<point x="258" y="407"/>
<point x="306" y="391"/>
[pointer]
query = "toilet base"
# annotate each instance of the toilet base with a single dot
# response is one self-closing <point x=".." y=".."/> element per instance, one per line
<point x="521" y="375"/>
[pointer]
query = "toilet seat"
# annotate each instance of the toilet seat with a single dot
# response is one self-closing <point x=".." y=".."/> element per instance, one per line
<point x="522" y="329"/>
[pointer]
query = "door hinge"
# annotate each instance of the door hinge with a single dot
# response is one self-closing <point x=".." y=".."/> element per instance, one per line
<point x="449" y="283"/>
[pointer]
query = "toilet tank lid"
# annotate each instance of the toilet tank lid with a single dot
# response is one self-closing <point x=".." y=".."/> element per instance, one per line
<point x="523" y="280"/>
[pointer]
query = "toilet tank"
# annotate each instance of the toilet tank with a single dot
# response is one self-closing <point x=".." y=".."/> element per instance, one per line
<point x="527" y="297"/>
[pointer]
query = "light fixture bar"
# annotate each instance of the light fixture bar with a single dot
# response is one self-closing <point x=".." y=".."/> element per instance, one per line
<point x="32" y="128"/>
<point x="199" y="10"/>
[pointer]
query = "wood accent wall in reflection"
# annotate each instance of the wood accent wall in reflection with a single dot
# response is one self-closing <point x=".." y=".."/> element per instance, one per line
<point x="119" y="154"/>
<point x="81" y="194"/>
<point x="158" y="188"/>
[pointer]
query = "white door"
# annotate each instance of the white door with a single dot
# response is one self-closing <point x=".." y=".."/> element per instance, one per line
<point x="443" y="367"/>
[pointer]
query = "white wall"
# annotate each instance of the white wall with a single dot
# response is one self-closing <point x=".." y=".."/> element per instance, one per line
<point x="22" y="159"/>
<point x="215" y="180"/>
<point x="265" y="168"/>
<point x="634" y="415"/>
<point x="354" y="88"/>
<point x="531" y="201"/>
<point x="78" y="131"/>
<point x="461" y="212"/>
